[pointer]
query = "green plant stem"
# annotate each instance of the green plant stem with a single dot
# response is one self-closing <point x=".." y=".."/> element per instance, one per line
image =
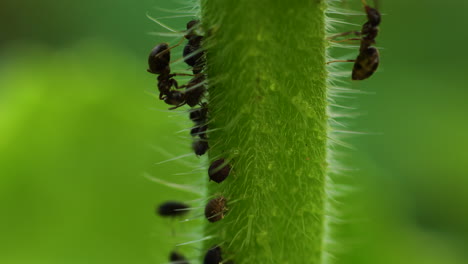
<point x="267" y="103"/>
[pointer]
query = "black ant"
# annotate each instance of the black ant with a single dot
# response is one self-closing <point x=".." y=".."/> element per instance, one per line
<point x="158" y="62"/>
<point x="368" y="59"/>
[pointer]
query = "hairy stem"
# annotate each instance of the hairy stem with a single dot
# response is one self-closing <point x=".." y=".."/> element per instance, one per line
<point x="267" y="107"/>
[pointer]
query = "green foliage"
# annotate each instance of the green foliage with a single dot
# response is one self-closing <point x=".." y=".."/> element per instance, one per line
<point x="409" y="174"/>
<point x="76" y="131"/>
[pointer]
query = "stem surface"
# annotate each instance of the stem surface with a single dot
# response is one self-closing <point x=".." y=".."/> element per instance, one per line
<point x="267" y="107"/>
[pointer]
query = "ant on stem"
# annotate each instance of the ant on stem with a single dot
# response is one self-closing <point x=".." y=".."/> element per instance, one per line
<point x="367" y="61"/>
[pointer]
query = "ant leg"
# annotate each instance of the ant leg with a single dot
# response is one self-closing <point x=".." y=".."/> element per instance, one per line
<point x="357" y="33"/>
<point x="174" y="83"/>
<point x="169" y="49"/>
<point x="341" y="61"/>
<point x="181" y="74"/>
<point x="178" y="44"/>
<point x="177" y="106"/>
<point x="345" y="40"/>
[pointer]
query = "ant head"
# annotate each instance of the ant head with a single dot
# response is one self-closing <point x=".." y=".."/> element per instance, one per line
<point x="373" y="16"/>
<point x="158" y="59"/>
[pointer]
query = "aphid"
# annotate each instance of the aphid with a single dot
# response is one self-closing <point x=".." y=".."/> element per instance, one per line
<point x="202" y="132"/>
<point x="172" y="209"/>
<point x="219" y="170"/>
<point x="194" y="90"/>
<point x="193" y="55"/>
<point x="199" y="115"/>
<point x="194" y="131"/>
<point x="367" y="61"/>
<point x="215" y="209"/>
<point x="213" y="256"/>
<point x="177" y="258"/>
<point x="191" y="26"/>
<point x="200" y="147"/>
<point x="199" y="131"/>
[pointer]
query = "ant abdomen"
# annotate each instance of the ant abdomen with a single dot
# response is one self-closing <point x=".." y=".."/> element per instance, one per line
<point x="366" y="64"/>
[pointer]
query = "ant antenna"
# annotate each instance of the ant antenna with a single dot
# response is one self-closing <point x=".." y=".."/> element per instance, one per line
<point x="161" y="23"/>
<point x="376" y="4"/>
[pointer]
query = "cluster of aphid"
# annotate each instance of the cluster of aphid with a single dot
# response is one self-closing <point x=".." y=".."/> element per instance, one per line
<point x="367" y="61"/>
<point x="169" y="92"/>
<point x="215" y="211"/>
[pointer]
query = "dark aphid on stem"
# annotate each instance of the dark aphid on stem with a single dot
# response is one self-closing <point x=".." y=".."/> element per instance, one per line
<point x="194" y="131"/>
<point x="199" y="131"/>
<point x="193" y="53"/>
<point x="200" y="147"/>
<point x="202" y="132"/>
<point x="177" y="258"/>
<point x="194" y="90"/>
<point x="191" y="27"/>
<point x="215" y="209"/>
<point x="172" y="209"/>
<point x="368" y="59"/>
<point x="199" y="115"/>
<point x="213" y="256"/>
<point x="219" y="170"/>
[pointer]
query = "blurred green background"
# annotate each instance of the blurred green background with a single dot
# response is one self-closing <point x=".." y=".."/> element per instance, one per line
<point x="78" y="129"/>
